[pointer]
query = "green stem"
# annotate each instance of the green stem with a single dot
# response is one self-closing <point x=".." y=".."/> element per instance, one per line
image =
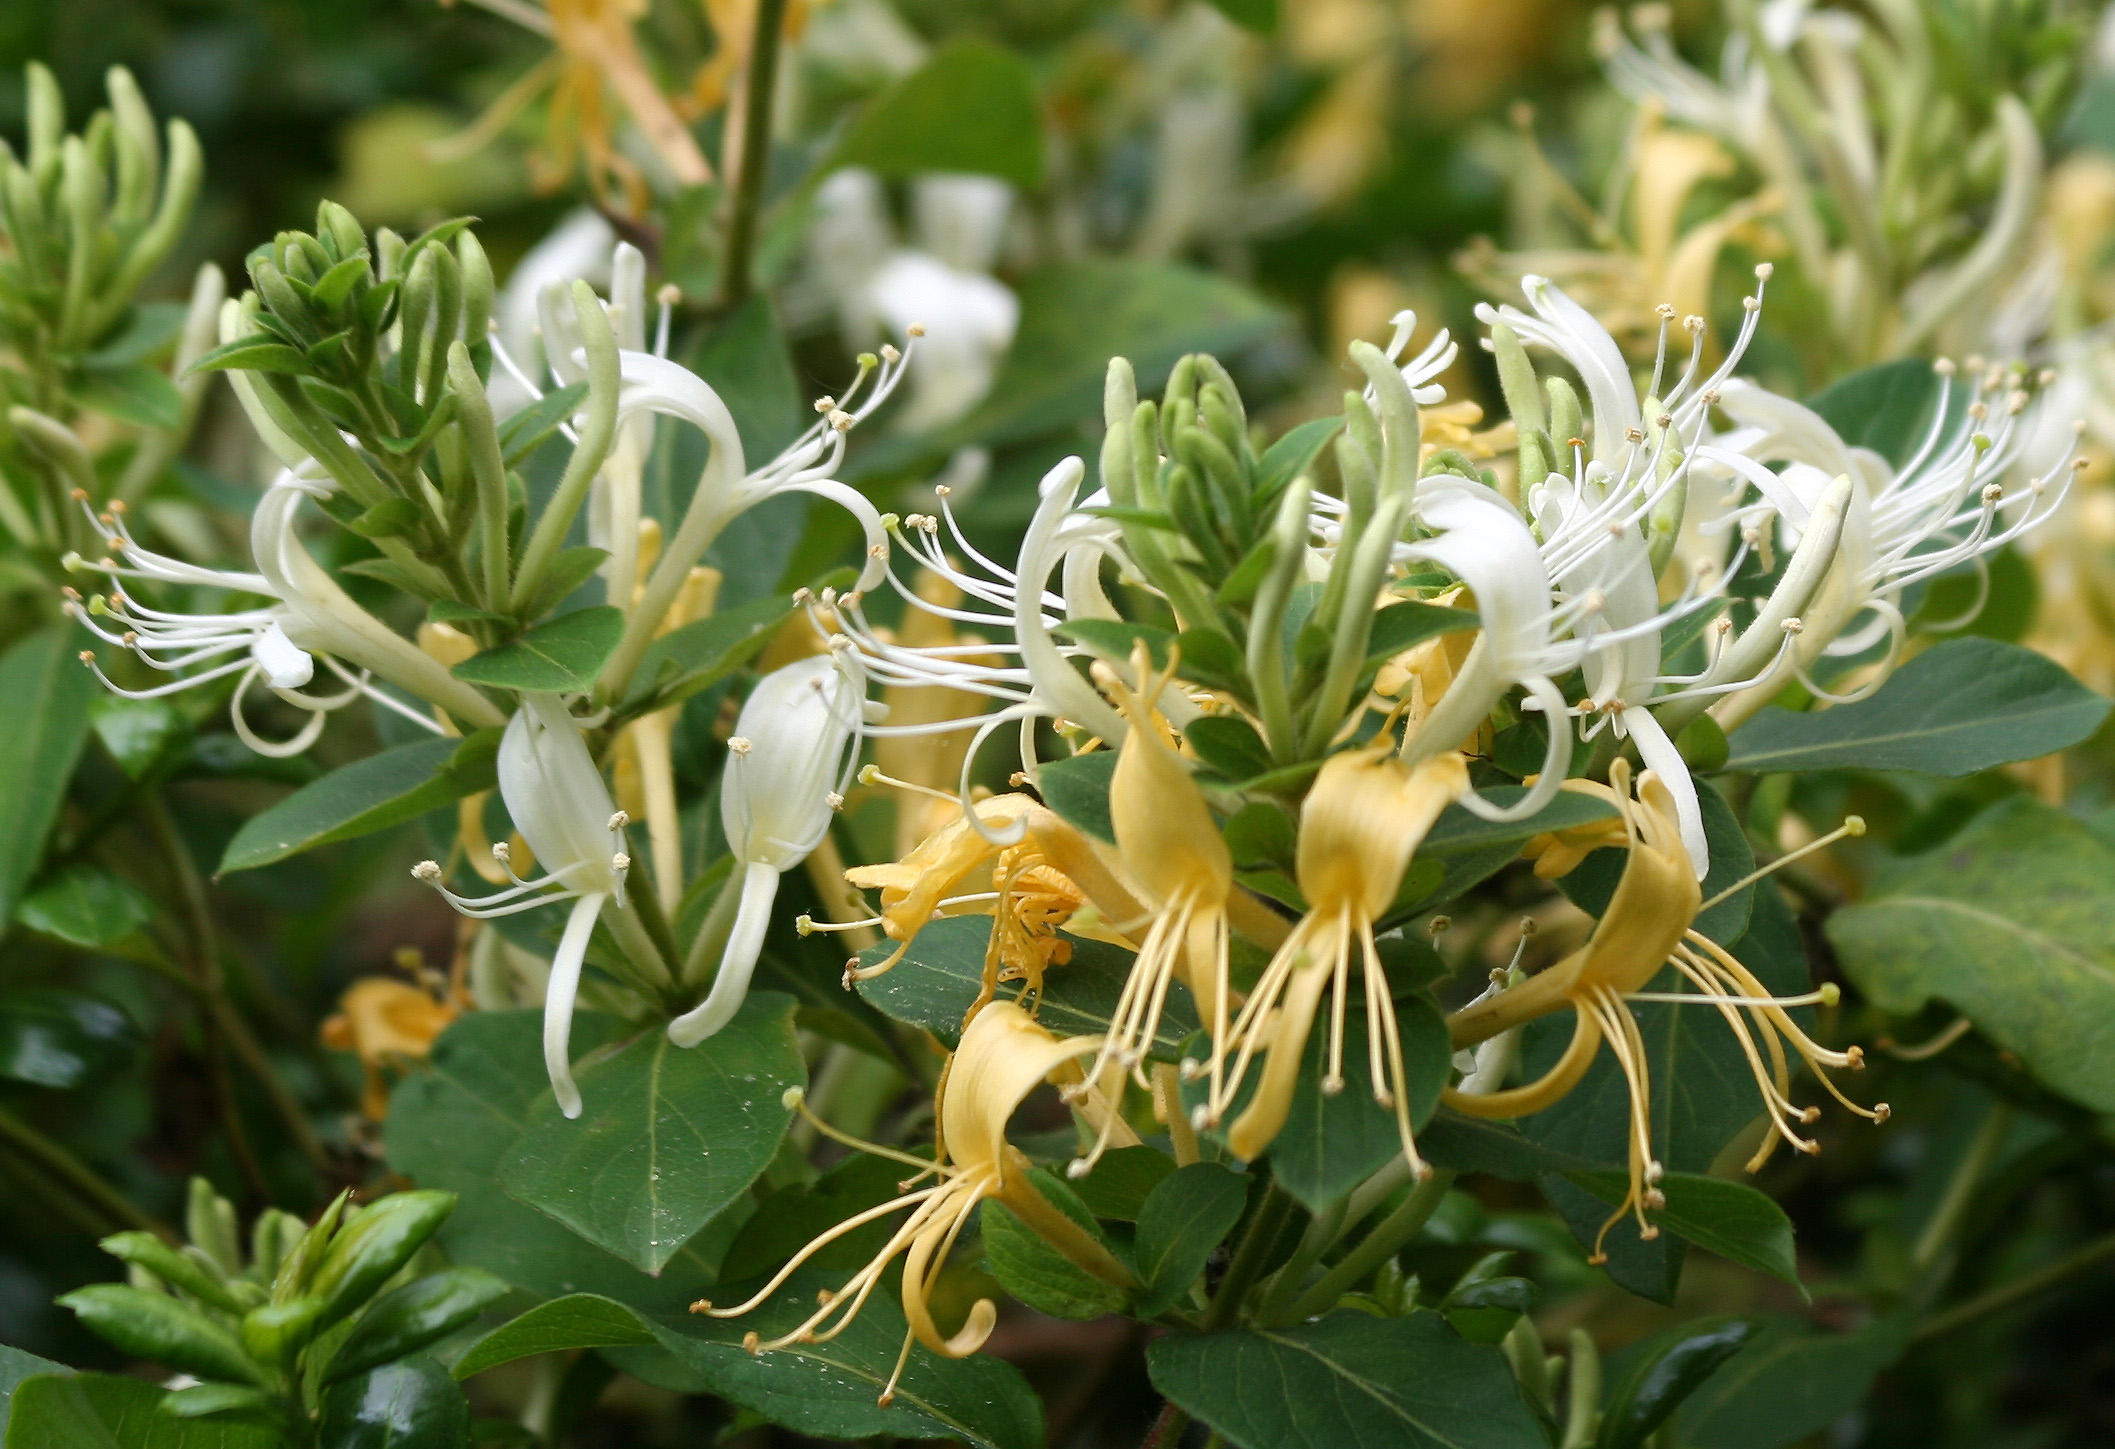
<point x="1167" y="1429"/>
<point x="77" y="1177"/>
<point x="1383" y="1243"/>
<point x="1946" y="1218"/>
<point x="2005" y="1295"/>
<point x="746" y="202"/>
<point x="1249" y="1257"/>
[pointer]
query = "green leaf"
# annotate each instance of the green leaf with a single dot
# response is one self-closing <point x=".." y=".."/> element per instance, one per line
<point x="1961" y="706"/>
<point x="1664" y="1371"/>
<point x="369" y="1249"/>
<point x="523" y="433"/>
<point x="409" y="1405"/>
<point x="578" y="1320"/>
<point x="1077" y="315"/>
<point x="373" y="794"/>
<point x="85" y="904"/>
<point x="1114" y="639"/>
<point x="139" y="395"/>
<point x="1790" y="1383"/>
<point x="1888" y="408"/>
<point x="2011" y="922"/>
<point x="1181" y="1223"/>
<point x="571" y="568"/>
<point x="99" y="1411"/>
<point x="255" y="353"/>
<point x="1229" y="745"/>
<point x="1291" y="455"/>
<point x="1261" y="16"/>
<point x="1122" y="1180"/>
<point x="452" y="1122"/>
<point x="700" y="654"/>
<point x="1410" y="623"/>
<point x="1077" y="791"/>
<point x="407" y="1319"/>
<point x="1038" y="1274"/>
<point x="1730" y="1219"/>
<point x="15" y="1366"/>
<point x="137" y="732"/>
<point x="560" y="656"/>
<point x="153" y="1325"/>
<point x="55" y="1038"/>
<point x="1703" y="1092"/>
<point x="670" y="1137"/>
<point x="933" y="985"/>
<point x="970" y="107"/>
<point x="1472" y="1144"/>
<point x="829" y="1389"/>
<point x="1349" y="1381"/>
<point x="48" y="692"/>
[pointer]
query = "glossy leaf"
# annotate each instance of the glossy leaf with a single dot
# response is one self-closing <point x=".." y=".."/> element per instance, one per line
<point x="165" y="1330"/>
<point x="670" y="1136"/>
<point x="373" y="794"/>
<point x="55" y="1038"/>
<point x="1349" y="1381"/>
<point x="1961" y="706"/>
<point x="1730" y="1219"/>
<point x="699" y="655"/>
<point x="1122" y="1181"/>
<point x="1077" y="791"/>
<point x="407" y="1319"/>
<point x="85" y="904"/>
<point x="100" y="1411"/>
<point x="562" y="655"/>
<point x="1664" y="1371"/>
<point x="1888" y="408"/>
<point x="1179" y="1226"/>
<point x="970" y="107"/>
<point x="829" y="1389"/>
<point x="578" y="1320"/>
<point x="942" y="973"/>
<point x="409" y="1405"/>
<point x="1789" y="1383"/>
<point x="1036" y="1273"/>
<point x="2011" y="922"/>
<point x="17" y="1365"/>
<point x="47" y="692"/>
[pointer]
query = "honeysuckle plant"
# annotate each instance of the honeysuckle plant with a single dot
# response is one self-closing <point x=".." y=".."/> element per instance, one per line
<point x="1343" y="865"/>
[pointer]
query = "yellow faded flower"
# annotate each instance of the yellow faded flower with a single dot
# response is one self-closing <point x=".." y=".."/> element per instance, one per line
<point x="1649" y="924"/>
<point x="386" y="1023"/>
<point x="1003" y="1057"/>
<point x="1362" y="821"/>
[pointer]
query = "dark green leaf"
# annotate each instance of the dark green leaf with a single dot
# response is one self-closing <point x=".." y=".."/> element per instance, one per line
<point x="569" y="570"/>
<point x="373" y="794"/>
<point x="1961" y="706"/>
<point x="48" y="691"/>
<point x="1122" y="1180"/>
<point x="944" y="971"/>
<point x="829" y="1389"/>
<point x="698" y="655"/>
<point x="256" y="353"/>
<point x="1730" y="1219"/>
<point x="1349" y="1381"/>
<point x="1077" y="790"/>
<point x="1184" y="1219"/>
<point x="1290" y="456"/>
<point x="523" y="432"/>
<point x="1115" y="639"/>
<point x="1410" y="623"/>
<point x="1457" y="832"/>
<point x="1888" y="408"/>
<point x="451" y="1124"/>
<point x="139" y="395"/>
<point x="970" y="107"/>
<point x="1076" y="316"/>
<point x="407" y="1319"/>
<point x="1472" y="1144"/>
<point x="163" y="1329"/>
<point x="409" y="1405"/>
<point x="1790" y="1383"/>
<point x="2012" y="922"/>
<point x="85" y="904"/>
<point x="560" y="656"/>
<point x="367" y="1251"/>
<point x="98" y="1411"/>
<point x="137" y="732"/>
<point x="56" y="1038"/>
<point x="1662" y="1373"/>
<point x="1229" y="745"/>
<point x="1038" y="1274"/>
<point x="670" y="1136"/>
<point x="789" y="1219"/>
<point x="15" y="1366"/>
<point x="1260" y="16"/>
<point x="579" y="1320"/>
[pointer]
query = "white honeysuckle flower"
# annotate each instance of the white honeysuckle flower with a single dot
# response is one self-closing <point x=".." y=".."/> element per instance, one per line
<point x="277" y="644"/>
<point x="1946" y="507"/>
<point x="557" y="799"/>
<point x="582" y="246"/>
<point x="795" y="744"/>
<point x="940" y="279"/>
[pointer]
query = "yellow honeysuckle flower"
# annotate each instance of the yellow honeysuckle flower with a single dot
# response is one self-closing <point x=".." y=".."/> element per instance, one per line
<point x="386" y="1023"/>
<point x="1650" y="924"/>
<point x="1003" y="1057"/>
<point x="1361" y="823"/>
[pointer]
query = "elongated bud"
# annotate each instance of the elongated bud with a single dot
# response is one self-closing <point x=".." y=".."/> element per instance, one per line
<point x="1397" y="409"/>
<point x="47" y="120"/>
<point x="1517" y="381"/>
<point x="478" y="293"/>
<point x="138" y="147"/>
<point x="1567" y="420"/>
<point x="1119" y="403"/>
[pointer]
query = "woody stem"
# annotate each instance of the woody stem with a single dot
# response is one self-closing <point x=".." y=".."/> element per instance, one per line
<point x="1383" y="1243"/>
